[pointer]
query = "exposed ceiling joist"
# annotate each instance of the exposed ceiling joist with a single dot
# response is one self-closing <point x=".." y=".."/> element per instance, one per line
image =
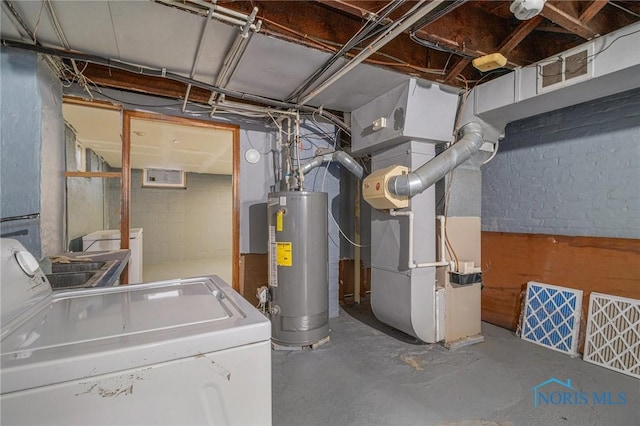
<point x="446" y="34"/>
<point x="514" y="39"/>
<point x="519" y="34"/>
<point x="592" y="10"/>
<point x="566" y="20"/>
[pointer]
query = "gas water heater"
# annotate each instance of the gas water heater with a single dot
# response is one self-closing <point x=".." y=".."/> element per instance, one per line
<point x="298" y="276"/>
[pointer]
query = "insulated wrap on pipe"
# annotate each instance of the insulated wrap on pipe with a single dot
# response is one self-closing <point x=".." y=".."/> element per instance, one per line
<point x="435" y="169"/>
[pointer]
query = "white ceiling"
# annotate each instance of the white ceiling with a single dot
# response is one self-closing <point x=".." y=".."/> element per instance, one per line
<point x="152" y="34"/>
<point x="154" y="144"/>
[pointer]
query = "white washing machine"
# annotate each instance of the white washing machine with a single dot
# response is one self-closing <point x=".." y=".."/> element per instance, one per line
<point x="180" y="352"/>
<point x="110" y="240"/>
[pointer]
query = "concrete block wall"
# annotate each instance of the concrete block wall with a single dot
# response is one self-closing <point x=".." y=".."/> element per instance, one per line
<point x="575" y="171"/>
<point x="183" y="224"/>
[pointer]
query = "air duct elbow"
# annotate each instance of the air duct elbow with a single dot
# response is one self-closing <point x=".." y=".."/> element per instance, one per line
<point x="349" y="163"/>
<point x="310" y="165"/>
<point x="431" y="172"/>
<point x="339" y="156"/>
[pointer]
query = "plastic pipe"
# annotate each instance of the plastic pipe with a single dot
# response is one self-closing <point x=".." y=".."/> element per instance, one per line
<point x="411" y="264"/>
<point x="435" y="169"/>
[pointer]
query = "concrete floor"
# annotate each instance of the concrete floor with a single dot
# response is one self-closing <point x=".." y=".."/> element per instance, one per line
<point x="370" y="374"/>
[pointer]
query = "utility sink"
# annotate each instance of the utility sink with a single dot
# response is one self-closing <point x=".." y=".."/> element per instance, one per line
<point x="77" y="274"/>
<point x="76" y="267"/>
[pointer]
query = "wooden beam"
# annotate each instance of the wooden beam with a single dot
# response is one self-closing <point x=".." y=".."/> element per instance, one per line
<point x="514" y="39"/>
<point x="519" y="34"/>
<point x="94" y="103"/>
<point x="565" y="20"/>
<point x="235" y="219"/>
<point x="450" y="31"/>
<point x="592" y="10"/>
<point x="118" y="79"/>
<point x="117" y="175"/>
<point x="348" y="8"/>
<point x="456" y="70"/>
<point x="125" y="190"/>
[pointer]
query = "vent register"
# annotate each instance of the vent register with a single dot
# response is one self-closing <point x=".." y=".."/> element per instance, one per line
<point x="568" y="68"/>
<point x="552" y="317"/>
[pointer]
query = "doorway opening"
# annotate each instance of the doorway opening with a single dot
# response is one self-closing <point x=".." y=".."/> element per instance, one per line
<point x="176" y="188"/>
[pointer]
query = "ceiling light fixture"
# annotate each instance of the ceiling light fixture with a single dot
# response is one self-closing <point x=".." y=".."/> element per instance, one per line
<point x="526" y="9"/>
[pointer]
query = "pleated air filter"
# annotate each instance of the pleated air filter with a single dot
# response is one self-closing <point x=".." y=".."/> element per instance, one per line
<point x="613" y="333"/>
<point x="552" y="317"/>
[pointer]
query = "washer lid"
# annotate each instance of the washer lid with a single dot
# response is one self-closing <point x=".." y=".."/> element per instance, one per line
<point x="97" y="331"/>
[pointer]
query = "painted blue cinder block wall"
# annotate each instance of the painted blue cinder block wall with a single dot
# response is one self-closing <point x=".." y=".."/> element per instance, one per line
<point x="575" y="171"/>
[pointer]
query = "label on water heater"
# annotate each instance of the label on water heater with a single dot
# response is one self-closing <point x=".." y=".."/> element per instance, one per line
<point x="284" y="253"/>
<point x="273" y="267"/>
<point x="279" y="216"/>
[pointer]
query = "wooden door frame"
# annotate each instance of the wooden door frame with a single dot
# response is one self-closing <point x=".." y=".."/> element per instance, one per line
<point x="235" y="177"/>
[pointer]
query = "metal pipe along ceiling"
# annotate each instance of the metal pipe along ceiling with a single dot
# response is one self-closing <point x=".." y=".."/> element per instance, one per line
<point x="380" y="42"/>
<point x="163" y="73"/>
<point x="233" y="56"/>
<point x="368" y="30"/>
<point x="196" y="59"/>
<point x="435" y="169"/>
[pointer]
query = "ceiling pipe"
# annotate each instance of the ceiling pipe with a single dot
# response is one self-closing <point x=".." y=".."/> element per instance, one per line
<point x="163" y="73"/>
<point x="18" y="22"/>
<point x="220" y="13"/>
<point x="361" y="35"/>
<point x="26" y="33"/>
<point x="233" y="56"/>
<point x="435" y="169"/>
<point x="380" y="42"/>
<point x="197" y="58"/>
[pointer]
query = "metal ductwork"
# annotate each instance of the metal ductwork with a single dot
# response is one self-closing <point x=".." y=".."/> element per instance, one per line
<point x="431" y="172"/>
<point x="339" y="156"/>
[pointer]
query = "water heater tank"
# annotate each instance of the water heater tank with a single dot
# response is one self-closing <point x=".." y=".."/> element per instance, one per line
<point x="298" y="277"/>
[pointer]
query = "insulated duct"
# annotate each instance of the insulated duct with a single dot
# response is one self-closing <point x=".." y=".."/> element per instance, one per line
<point x="340" y="156"/>
<point x="431" y="172"/>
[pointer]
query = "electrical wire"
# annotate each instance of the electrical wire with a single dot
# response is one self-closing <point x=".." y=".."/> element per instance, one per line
<point x="625" y="9"/>
<point x="452" y="252"/>
<point x="343" y="234"/>
<point x="587" y="59"/>
<point x="493" y="154"/>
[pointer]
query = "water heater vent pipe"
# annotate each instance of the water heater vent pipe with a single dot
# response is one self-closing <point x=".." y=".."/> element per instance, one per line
<point x="435" y="169"/>
<point x="340" y="156"/>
